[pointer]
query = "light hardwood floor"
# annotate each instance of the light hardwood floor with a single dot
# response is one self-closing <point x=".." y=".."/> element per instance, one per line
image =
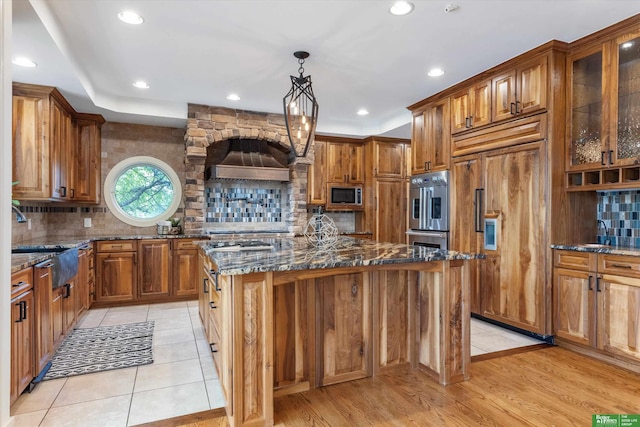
<point x="546" y="387"/>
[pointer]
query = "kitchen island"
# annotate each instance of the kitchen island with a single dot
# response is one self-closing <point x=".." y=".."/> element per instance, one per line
<point x="295" y="317"/>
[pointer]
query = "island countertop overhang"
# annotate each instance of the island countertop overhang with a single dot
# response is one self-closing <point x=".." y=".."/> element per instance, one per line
<point x="295" y="253"/>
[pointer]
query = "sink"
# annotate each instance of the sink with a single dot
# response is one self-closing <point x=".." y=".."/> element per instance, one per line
<point x="595" y="245"/>
<point x="28" y="250"/>
<point x="64" y="265"/>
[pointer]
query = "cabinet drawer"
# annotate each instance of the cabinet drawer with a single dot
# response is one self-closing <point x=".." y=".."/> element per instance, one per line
<point x="619" y="264"/>
<point x="21" y="281"/>
<point x="118" y="246"/>
<point x="575" y="260"/>
<point x="214" y="345"/>
<point x="177" y="244"/>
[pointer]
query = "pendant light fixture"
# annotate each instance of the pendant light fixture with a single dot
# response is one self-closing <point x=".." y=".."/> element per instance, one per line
<point x="300" y="110"/>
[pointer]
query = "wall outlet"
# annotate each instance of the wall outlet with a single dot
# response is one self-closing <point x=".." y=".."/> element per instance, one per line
<point x="87" y="222"/>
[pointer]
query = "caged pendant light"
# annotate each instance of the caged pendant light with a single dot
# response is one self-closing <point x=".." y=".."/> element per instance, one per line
<point x="300" y="110"/>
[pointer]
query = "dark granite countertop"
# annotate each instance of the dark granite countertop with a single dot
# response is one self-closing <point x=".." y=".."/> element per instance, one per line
<point x="294" y="253"/>
<point x="600" y="249"/>
<point x="24" y="260"/>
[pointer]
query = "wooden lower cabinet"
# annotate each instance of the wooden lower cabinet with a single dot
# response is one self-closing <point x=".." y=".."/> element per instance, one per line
<point x="575" y="320"/>
<point x="84" y="279"/>
<point x="22" y="332"/>
<point x="69" y="305"/>
<point x="343" y="328"/>
<point x="116" y="276"/>
<point x="44" y="339"/>
<point x="184" y="268"/>
<point x="154" y="268"/>
<point x="147" y="270"/>
<point x="619" y="316"/>
<point x="57" y="316"/>
<point x="392" y="319"/>
<point x="595" y="309"/>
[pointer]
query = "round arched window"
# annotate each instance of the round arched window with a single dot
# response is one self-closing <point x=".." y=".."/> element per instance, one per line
<point x="142" y="190"/>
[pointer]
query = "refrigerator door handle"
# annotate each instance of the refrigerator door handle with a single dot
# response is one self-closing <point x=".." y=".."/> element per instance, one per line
<point x="477" y="217"/>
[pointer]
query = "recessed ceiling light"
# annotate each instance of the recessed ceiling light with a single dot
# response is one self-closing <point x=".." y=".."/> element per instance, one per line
<point x="141" y="84"/>
<point x="23" y="61"/>
<point x="130" y="17"/>
<point x="435" y="72"/>
<point x="401" y="7"/>
<point x="627" y="45"/>
<point x="233" y="97"/>
<point x="362" y="112"/>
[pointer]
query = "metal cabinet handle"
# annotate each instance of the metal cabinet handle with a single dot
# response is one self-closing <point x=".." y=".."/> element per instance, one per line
<point x="20" y="283"/>
<point x="73" y="193"/>
<point x="621" y="266"/>
<point x="204" y="285"/>
<point x="212" y="349"/>
<point x="590" y="283"/>
<point x="610" y="157"/>
<point x="63" y="191"/>
<point x="19" y="319"/>
<point x="470" y="121"/>
<point x="68" y="288"/>
<point x="512" y="108"/>
<point x="24" y="310"/>
<point x="212" y="304"/>
<point x="602" y="158"/>
<point x="598" y="284"/>
<point x="518" y="111"/>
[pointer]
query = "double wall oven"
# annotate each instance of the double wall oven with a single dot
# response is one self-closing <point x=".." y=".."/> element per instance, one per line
<point x="429" y="210"/>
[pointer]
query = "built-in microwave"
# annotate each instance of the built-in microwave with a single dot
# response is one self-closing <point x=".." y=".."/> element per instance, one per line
<point x="344" y="197"/>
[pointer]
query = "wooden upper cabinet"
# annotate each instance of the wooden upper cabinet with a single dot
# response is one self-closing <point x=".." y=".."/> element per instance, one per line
<point x="30" y="146"/>
<point x="345" y="163"/>
<point x="418" y="143"/>
<point x="49" y="160"/>
<point x="471" y="107"/>
<point x="62" y="147"/>
<point x="522" y="90"/>
<point x="389" y="161"/>
<point x="154" y="268"/>
<point x="431" y="138"/>
<point x="586" y="135"/>
<point x="87" y="158"/>
<point x="317" y="175"/>
<point x="624" y="126"/>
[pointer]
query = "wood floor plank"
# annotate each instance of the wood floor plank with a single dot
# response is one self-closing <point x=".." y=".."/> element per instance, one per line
<point x="551" y="386"/>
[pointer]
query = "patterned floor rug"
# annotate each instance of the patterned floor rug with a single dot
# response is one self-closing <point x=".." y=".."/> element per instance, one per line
<point x="89" y="350"/>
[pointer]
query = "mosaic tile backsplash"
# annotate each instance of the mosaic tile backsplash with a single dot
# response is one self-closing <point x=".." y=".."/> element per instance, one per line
<point x="248" y="202"/>
<point x="620" y="211"/>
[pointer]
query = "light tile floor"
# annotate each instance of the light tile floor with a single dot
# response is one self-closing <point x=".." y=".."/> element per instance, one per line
<point x="181" y="380"/>
<point x="489" y="338"/>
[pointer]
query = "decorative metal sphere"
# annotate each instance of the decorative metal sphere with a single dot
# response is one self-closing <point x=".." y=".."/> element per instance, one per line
<point x="321" y="231"/>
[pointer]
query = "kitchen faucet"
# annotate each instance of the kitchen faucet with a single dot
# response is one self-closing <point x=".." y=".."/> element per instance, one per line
<point x="19" y="215"/>
<point x="607" y="240"/>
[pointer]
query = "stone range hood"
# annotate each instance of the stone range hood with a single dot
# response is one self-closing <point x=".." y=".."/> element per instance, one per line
<point x="247" y="159"/>
<point x="211" y="130"/>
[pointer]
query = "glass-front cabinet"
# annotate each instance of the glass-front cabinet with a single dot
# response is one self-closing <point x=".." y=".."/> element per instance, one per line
<point x="586" y="94"/>
<point x="626" y="100"/>
<point x="604" y="105"/>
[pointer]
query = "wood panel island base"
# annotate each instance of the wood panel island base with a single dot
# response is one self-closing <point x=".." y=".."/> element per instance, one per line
<point x="295" y="317"/>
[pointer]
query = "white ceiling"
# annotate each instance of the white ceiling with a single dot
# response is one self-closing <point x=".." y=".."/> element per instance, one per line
<point x="199" y="51"/>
